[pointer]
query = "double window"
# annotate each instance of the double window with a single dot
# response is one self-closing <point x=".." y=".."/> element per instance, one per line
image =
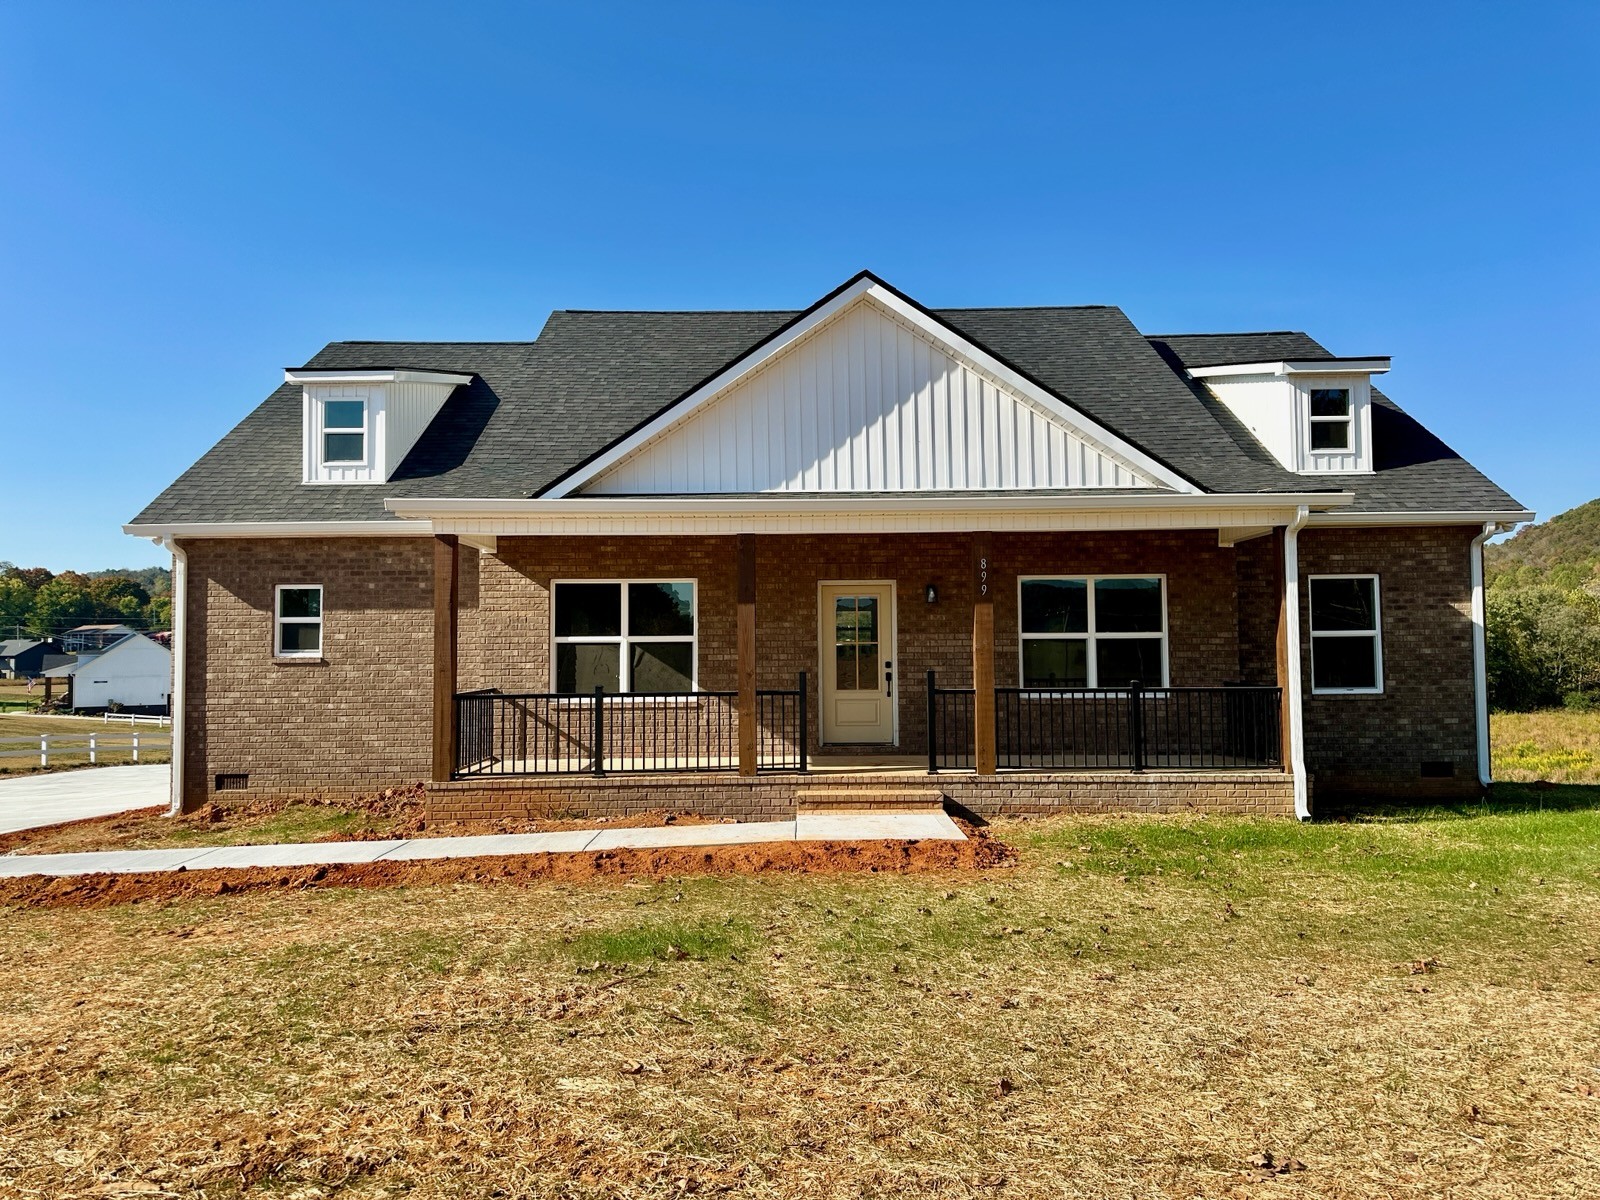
<point x="344" y="431"/>
<point x="625" y="636"/>
<point x="1346" y="637"/>
<point x="1330" y="419"/>
<point x="1093" y="631"/>
<point x="297" y="621"/>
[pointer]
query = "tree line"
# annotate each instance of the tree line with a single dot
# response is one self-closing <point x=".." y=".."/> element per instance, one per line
<point x="1543" y="628"/>
<point x="37" y="602"/>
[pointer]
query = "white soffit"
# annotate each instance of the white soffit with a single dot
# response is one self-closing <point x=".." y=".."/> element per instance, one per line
<point x="867" y="393"/>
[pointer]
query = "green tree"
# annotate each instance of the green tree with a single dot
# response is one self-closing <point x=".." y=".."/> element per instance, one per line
<point x="16" y="604"/>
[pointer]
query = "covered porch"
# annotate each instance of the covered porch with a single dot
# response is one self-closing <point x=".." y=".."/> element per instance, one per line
<point x="1067" y="644"/>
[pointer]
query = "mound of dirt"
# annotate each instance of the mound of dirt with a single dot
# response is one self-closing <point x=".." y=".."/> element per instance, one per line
<point x="978" y="852"/>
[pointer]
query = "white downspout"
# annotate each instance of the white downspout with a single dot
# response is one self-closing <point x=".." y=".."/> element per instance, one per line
<point x="180" y="621"/>
<point x="1291" y="606"/>
<point x="1480" y="652"/>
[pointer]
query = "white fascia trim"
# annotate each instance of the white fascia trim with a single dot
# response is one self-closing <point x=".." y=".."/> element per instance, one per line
<point x="312" y="377"/>
<point x="1349" y="366"/>
<point x="780" y="503"/>
<point x="1356" y="520"/>
<point x="242" y="529"/>
<point x="919" y="320"/>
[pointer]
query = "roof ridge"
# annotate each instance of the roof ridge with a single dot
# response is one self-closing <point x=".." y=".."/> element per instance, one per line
<point x="451" y="342"/>
<point x="1235" y="333"/>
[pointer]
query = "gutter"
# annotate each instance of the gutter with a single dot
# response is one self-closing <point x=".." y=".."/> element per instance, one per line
<point x="1291" y="604"/>
<point x="180" y="647"/>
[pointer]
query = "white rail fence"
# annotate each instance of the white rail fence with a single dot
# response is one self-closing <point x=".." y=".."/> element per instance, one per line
<point x="73" y="746"/>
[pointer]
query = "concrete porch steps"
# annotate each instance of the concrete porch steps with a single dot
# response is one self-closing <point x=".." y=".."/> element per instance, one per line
<point x="886" y="800"/>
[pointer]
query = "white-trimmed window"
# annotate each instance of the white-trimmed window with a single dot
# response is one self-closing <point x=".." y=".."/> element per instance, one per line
<point x="1092" y="631"/>
<point x="297" y="620"/>
<point x="1332" y="417"/>
<point x="624" y="635"/>
<point x="344" y="431"/>
<point x="1346" y="635"/>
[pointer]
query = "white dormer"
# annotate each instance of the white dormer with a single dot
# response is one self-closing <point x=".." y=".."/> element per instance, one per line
<point x="358" y="426"/>
<point x="1315" y="415"/>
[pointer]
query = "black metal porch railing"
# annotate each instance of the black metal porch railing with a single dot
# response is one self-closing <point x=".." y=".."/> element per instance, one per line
<point x="781" y="720"/>
<point x="952" y="713"/>
<point x="1129" y="729"/>
<point x="535" y="733"/>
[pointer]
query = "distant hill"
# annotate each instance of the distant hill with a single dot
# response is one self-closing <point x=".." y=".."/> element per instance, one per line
<point x="1564" y="550"/>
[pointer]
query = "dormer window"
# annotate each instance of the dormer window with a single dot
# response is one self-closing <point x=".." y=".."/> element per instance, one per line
<point x="344" y="431"/>
<point x="1314" y="415"/>
<point x="358" y="426"/>
<point x="1330" y="419"/>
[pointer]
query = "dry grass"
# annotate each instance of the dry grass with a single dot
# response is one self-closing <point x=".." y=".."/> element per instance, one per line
<point x="114" y="743"/>
<point x="1556" y="744"/>
<point x="1142" y="1007"/>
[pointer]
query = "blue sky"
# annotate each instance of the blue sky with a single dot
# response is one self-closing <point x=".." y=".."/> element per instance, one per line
<point x="197" y="195"/>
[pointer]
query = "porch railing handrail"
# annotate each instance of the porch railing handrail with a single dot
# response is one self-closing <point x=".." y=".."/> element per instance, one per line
<point x="1132" y="728"/>
<point x="600" y="732"/>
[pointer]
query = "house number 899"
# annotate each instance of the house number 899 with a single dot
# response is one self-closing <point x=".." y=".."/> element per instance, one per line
<point x="983" y="577"/>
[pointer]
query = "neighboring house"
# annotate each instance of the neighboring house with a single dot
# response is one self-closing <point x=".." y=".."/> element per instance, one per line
<point x="1033" y="548"/>
<point x="133" y="673"/>
<point x="93" y="637"/>
<point x="25" y="658"/>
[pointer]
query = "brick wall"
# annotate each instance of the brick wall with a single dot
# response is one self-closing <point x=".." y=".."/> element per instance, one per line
<point x="357" y="718"/>
<point x="1376" y="744"/>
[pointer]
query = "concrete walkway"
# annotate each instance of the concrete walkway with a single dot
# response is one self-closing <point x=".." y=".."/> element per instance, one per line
<point x="32" y="801"/>
<point x="808" y="827"/>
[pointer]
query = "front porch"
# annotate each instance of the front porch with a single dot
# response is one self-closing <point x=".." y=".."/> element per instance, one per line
<point x="982" y="665"/>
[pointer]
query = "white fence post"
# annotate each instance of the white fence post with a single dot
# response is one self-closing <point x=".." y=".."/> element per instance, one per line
<point x="44" y="749"/>
<point x="91" y="750"/>
<point x="135" y="747"/>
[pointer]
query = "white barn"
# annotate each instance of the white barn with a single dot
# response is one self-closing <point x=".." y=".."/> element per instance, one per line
<point x="134" y="672"/>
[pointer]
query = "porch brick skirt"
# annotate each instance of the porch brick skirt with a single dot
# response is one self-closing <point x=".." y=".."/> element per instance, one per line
<point x="773" y="797"/>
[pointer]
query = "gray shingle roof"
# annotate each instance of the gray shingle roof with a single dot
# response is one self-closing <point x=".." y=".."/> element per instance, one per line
<point x="536" y="410"/>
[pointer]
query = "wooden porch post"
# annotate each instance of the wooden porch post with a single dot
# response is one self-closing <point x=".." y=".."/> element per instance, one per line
<point x="983" y="748"/>
<point x="1284" y="712"/>
<point x="446" y="583"/>
<point x="745" y="555"/>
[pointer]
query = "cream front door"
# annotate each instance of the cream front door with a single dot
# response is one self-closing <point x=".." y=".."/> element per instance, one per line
<point x="857" y="635"/>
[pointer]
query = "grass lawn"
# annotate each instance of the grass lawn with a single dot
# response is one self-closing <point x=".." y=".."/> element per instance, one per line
<point x="1406" y="1006"/>
<point x="1556" y="745"/>
<point x="114" y="742"/>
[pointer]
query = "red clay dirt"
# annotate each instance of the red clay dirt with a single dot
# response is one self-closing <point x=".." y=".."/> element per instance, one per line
<point x="979" y="852"/>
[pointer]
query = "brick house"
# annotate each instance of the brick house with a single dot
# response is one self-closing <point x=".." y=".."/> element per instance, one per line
<point x="1029" y="558"/>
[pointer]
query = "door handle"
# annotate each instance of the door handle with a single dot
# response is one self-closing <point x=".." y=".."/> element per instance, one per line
<point x="888" y="679"/>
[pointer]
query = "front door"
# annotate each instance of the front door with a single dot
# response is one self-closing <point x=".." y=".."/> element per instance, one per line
<point x="857" y="634"/>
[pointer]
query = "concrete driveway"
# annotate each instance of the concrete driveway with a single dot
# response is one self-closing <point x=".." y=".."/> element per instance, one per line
<point x="30" y="801"/>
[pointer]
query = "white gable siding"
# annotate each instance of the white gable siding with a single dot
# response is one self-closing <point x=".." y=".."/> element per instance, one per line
<point x="407" y="412"/>
<point x="864" y="403"/>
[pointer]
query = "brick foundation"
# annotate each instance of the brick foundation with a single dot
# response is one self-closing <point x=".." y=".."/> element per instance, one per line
<point x="773" y="797"/>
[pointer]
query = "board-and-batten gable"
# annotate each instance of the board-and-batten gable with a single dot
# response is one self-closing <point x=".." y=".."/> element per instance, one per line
<point x="867" y="402"/>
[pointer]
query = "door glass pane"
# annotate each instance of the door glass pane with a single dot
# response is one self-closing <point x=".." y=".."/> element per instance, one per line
<point x="655" y="609"/>
<point x="581" y="668"/>
<point x="1344" y="662"/>
<point x="1055" y="606"/>
<point x="1119" y="661"/>
<point x="661" y="666"/>
<point x="844" y="668"/>
<point x="1050" y="662"/>
<point x="1338" y="604"/>
<point x="867" y="667"/>
<point x="1127" y="606"/>
<point x="588" y="609"/>
<point x="866" y="619"/>
<point x="844" y="620"/>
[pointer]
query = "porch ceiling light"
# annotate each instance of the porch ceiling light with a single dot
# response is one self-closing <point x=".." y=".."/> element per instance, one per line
<point x="931" y="593"/>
